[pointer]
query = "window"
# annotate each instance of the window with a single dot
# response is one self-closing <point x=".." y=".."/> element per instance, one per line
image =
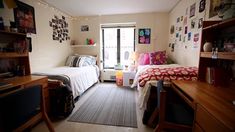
<point x="118" y="44"/>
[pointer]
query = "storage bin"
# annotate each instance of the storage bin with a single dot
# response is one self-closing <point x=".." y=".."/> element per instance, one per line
<point x="119" y="78"/>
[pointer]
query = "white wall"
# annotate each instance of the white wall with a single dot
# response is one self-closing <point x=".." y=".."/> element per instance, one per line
<point x="46" y="52"/>
<point x="158" y="22"/>
<point x="185" y="53"/>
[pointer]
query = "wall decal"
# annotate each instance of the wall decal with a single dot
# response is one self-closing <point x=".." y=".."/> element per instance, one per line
<point x="200" y="21"/>
<point x="144" y="36"/>
<point x="24" y="18"/>
<point x="60" y="29"/>
<point x="192" y="10"/>
<point x="84" y="28"/>
<point x="202" y="5"/>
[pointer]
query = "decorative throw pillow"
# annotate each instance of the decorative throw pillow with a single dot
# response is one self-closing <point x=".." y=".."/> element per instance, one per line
<point x="69" y="61"/>
<point x="158" y="58"/>
<point x="144" y="59"/>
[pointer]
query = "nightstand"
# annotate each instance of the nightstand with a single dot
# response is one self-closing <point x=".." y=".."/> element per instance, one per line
<point x="128" y="78"/>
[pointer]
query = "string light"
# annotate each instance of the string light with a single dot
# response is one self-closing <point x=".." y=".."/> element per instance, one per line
<point x="46" y="5"/>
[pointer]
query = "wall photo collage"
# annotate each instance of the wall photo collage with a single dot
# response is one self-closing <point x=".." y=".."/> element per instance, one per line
<point x="60" y="29"/>
<point x="188" y="25"/>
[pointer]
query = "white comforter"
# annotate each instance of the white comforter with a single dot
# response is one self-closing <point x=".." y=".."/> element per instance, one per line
<point x="81" y="78"/>
<point x="145" y="91"/>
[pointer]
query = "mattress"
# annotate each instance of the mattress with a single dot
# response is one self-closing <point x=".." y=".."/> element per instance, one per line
<point x="78" y="78"/>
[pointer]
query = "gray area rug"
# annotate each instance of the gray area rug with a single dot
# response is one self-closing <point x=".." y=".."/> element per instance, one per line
<point x="108" y="106"/>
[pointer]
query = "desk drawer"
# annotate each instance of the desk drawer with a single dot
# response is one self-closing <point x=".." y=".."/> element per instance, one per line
<point x="208" y="122"/>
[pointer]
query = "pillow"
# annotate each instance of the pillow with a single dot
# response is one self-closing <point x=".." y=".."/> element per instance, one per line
<point x="158" y="58"/>
<point x="86" y="61"/>
<point x="69" y="61"/>
<point x="144" y="59"/>
<point x="80" y="60"/>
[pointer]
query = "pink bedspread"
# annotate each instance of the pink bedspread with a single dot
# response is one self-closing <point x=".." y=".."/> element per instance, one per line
<point x="168" y="74"/>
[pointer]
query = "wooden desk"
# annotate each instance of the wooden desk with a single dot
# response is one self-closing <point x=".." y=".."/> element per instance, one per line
<point x="214" y="110"/>
<point x="27" y="81"/>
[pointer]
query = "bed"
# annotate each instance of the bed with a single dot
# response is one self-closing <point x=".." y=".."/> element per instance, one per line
<point x="148" y="74"/>
<point x="78" y="75"/>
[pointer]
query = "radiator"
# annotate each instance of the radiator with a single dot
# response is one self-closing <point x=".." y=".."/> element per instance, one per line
<point x="108" y="75"/>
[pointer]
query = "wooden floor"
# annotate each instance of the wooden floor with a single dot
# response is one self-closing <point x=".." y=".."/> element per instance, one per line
<point x="65" y="126"/>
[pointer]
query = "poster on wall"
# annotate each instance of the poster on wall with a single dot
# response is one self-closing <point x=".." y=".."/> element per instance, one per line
<point x="25" y="18"/>
<point x="144" y="36"/>
<point x="196" y="40"/>
<point x="202" y="5"/>
<point x="200" y="21"/>
<point x="213" y="4"/>
<point x="192" y="10"/>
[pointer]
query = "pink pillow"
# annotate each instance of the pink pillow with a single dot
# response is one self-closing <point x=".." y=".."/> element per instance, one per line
<point x="158" y="58"/>
<point x="144" y="59"/>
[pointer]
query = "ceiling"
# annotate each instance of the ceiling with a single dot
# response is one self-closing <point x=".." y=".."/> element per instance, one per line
<point x="110" y="7"/>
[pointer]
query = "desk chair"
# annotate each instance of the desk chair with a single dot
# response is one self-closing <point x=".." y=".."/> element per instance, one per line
<point x="171" y="115"/>
<point x="20" y="108"/>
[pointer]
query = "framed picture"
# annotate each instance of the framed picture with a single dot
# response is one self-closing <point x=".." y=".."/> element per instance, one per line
<point x="24" y="18"/>
<point x="84" y="28"/>
<point x="144" y="36"/>
<point x="192" y="10"/>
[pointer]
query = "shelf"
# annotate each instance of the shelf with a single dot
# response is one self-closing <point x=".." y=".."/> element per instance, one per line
<point x="84" y="45"/>
<point x="12" y="54"/>
<point x="220" y="24"/>
<point x="12" y="33"/>
<point x="221" y="55"/>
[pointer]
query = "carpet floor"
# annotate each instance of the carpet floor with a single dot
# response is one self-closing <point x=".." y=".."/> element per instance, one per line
<point x="108" y="106"/>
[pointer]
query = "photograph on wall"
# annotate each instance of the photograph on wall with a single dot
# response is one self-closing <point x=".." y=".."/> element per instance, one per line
<point x="196" y="40"/>
<point x="189" y="36"/>
<point x="193" y="23"/>
<point x="202" y="5"/>
<point x="24" y="18"/>
<point x="200" y="21"/>
<point x="192" y="10"/>
<point x="213" y="5"/>
<point x="144" y="36"/>
<point x="172" y="30"/>
<point x="185" y="30"/>
<point x="84" y="28"/>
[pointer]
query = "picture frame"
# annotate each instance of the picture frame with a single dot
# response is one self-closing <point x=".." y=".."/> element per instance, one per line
<point x="84" y="28"/>
<point x="24" y="18"/>
<point x="192" y="10"/>
<point x="144" y="36"/>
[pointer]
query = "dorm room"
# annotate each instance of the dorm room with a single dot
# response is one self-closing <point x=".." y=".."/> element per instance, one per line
<point x="116" y="65"/>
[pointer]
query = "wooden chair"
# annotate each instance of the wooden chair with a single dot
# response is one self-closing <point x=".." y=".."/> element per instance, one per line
<point x="171" y="115"/>
<point x="21" y="108"/>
